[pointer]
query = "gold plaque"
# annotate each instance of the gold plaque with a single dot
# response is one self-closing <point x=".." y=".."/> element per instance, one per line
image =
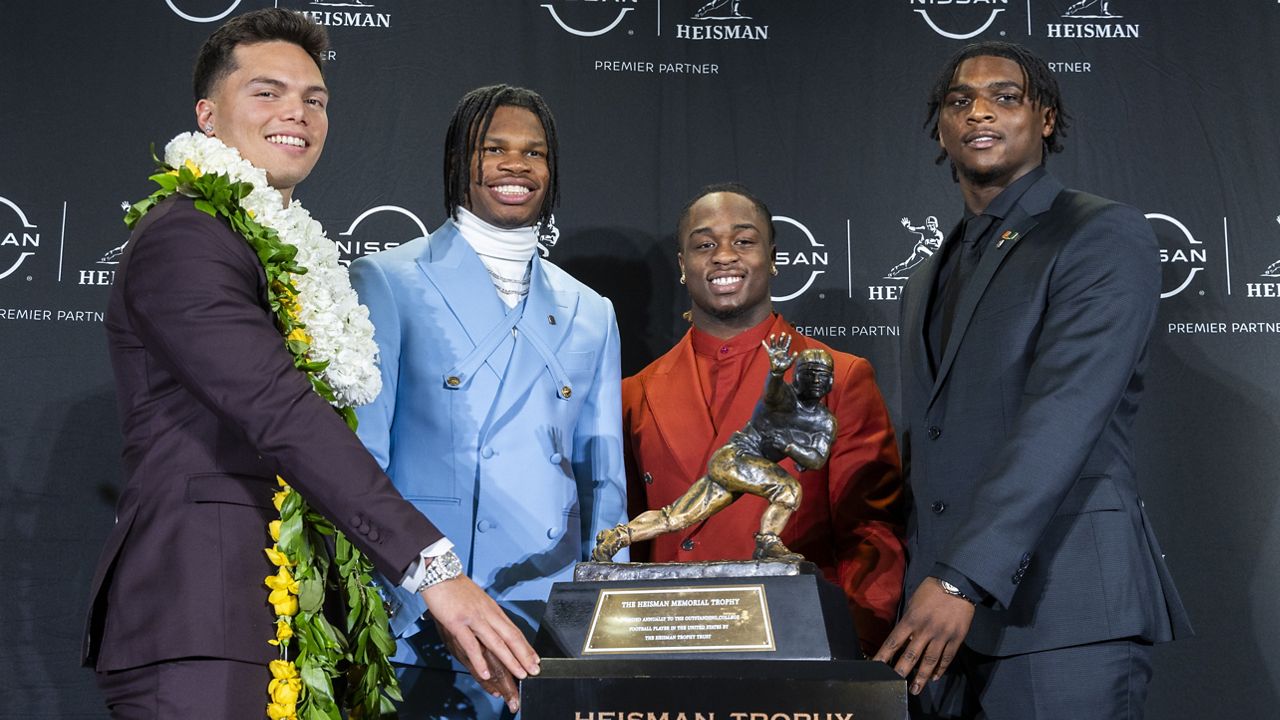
<point x="703" y="618"/>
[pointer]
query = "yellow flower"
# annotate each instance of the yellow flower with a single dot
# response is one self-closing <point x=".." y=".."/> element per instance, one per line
<point x="285" y="692"/>
<point x="278" y="558"/>
<point x="299" y="334"/>
<point x="284" y="631"/>
<point x="282" y="669"/>
<point x="278" y="499"/>
<point x="195" y="169"/>
<point x="282" y="483"/>
<point x="273" y="527"/>
<point x="281" y="712"/>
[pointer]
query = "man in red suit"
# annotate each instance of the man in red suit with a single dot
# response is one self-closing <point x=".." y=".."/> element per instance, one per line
<point x="687" y="403"/>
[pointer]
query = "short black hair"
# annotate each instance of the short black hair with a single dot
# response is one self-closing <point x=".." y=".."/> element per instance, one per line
<point x="216" y="59"/>
<point x="1042" y="89"/>
<point x="726" y="187"/>
<point x="469" y="125"/>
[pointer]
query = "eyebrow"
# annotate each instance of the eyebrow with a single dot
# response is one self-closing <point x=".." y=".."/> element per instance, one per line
<point x="706" y="229"/>
<point x="282" y="85"/>
<point x="997" y="85"/>
<point x="492" y="138"/>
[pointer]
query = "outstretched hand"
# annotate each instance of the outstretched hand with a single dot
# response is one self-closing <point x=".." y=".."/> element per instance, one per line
<point x="928" y="636"/>
<point x="779" y="349"/>
<point x="481" y="637"/>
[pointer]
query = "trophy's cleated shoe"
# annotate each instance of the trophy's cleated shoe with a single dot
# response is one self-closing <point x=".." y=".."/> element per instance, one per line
<point x="769" y="547"/>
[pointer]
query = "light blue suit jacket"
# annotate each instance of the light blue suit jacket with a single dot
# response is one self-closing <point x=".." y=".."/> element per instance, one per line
<point x="504" y="427"/>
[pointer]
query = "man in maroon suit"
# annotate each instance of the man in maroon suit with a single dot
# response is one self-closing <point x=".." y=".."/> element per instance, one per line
<point x="212" y="410"/>
<point x="687" y="403"/>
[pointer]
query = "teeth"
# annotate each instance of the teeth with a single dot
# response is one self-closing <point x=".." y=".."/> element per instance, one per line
<point x="725" y="280"/>
<point x="511" y="189"/>
<point x="287" y="140"/>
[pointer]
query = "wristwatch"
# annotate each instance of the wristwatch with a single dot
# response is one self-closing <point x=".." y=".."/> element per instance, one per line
<point x="443" y="567"/>
<point x="954" y="591"/>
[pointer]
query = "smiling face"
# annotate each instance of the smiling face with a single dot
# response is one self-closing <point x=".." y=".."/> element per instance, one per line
<point x="990" y="130"/>
<point x="726" y="253"/>
<point x="509" y="174"/>
<point x="272" y="108"/>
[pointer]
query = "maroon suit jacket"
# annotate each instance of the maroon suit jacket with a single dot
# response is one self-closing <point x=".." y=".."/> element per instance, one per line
<point x="211" y="411"/>
<point x="850" y="520"/>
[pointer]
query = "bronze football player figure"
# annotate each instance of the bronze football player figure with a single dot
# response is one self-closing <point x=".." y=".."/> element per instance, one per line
<point x="790" y="421"/>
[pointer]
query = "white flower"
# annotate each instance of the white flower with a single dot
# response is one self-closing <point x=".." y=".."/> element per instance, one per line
<point x="338" y="324"/>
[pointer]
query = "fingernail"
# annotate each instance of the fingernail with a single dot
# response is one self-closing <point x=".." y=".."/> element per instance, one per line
<point x="916" y="688"/>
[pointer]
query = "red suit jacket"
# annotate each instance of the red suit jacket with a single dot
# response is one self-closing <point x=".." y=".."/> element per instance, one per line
<point x="850" y="520"/>
<point x="212" y="410"/>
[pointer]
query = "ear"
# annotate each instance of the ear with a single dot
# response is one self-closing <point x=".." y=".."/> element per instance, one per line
<point x="680" y="262"/>
<point x="1050" y="121"/>
<point x="204" y="113"/>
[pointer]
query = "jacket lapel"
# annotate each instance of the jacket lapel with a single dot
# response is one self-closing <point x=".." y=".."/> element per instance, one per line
<point x="915" y="311"/>
<point x="457" y="273"/>
<point x="674" y="395"/>
<point x="535" y="367"/>
<point x="1010" y="232"/>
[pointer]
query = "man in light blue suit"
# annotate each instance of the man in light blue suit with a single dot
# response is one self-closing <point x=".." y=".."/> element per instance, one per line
<point x="500" y="411"/>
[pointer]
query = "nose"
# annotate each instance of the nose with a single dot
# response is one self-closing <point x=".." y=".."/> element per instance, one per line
<point x="514" y="162"/>
<point x="724" y="254"/>
<point x="981" y="110"/>
<point x="294" y="108"/>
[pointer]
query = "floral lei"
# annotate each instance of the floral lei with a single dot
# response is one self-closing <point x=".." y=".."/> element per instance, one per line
<point x="328" y="333"/>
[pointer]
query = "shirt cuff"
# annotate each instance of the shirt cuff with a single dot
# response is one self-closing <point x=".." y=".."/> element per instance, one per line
<point x="971" y="589"/>
<point x="418" y="568"/>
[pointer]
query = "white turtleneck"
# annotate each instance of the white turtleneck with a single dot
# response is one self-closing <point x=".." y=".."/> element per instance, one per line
<point x="505" y="254"/>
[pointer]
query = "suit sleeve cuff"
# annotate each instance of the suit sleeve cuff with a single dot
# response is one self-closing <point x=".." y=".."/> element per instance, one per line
<point x="418" y="568"/>
<point x="961" y="581"/>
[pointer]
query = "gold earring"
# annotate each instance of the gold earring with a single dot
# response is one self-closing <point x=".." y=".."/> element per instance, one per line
<point x="773" y="270"/>
<point x="681" y="278"/>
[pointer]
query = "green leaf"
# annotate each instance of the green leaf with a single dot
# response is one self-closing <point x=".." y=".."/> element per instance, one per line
<point x="206" y="207"/>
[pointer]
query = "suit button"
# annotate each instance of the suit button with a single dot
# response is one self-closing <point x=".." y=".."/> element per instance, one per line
<point x="938" y="507"/>
<point x="552" y="533"/>
<point x="373" y="535"/>
<point x="687" y="544"/>
<point x="453" y="381"/>
<point x="1017" y="577"/>
<point x="1025" y="561"/>
<point x="556" y="458"/>
<point x="355" y="520"/>
<point x="934" y="432"/>
<point x="648" y="479"/>
<point x="566" y="392"/>
<point x="486" y="452"/>
<point x="551" y="319"/>
<point x="485" y="526"/>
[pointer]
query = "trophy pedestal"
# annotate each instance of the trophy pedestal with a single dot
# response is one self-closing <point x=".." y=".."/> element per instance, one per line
<point x="668" y="641"/>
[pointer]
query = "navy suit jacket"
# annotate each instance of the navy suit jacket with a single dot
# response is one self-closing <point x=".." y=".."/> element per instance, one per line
<point x="1018" y="451"/>
<point x="212" y="410"/>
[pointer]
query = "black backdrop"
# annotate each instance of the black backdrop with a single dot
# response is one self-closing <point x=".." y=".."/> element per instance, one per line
<point x="816" y="104"/>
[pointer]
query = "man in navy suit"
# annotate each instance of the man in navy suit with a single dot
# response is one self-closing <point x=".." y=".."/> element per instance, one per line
<point x="1035" y="584"/>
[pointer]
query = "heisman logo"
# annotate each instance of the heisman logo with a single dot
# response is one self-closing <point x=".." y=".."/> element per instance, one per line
<point x="622" y="13"/>
<point x="810" y="254"/>
<point x="928" y="239"/>
<point x="22" y="239"/>
<point x="991" y="17"/>
<point x="201" y="18"/>
<point x="1086" y="13"/>
<point x="1272" y="271"/>
<point x="721" y="20"/>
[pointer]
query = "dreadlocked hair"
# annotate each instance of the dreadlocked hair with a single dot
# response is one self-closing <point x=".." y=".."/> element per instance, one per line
<point x="1042" y="89"/>
<point x="467" y="128"/>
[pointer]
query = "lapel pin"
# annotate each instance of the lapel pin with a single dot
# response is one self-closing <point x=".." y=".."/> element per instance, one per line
<point x="1008" y="235"/>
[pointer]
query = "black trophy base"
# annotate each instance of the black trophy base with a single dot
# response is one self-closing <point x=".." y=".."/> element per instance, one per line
<point x="803" y="617"/>
<point x="632" y="689"/>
